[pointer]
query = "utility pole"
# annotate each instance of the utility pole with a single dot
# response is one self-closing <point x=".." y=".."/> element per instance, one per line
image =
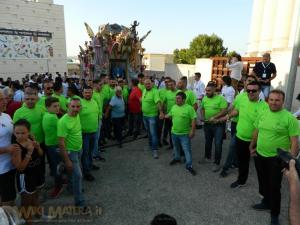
<point x="294" y="63"/>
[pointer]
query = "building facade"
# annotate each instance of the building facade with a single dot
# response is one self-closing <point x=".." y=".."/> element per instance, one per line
<point x="32" y="38"/>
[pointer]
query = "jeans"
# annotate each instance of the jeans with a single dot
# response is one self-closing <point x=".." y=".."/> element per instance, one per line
<point x="269" y="179"/>
<point x="160" y="125"/>
<point x="135" y="122"/>
<point x="185" y="142"/>
<point x="118" y="124"/>
<point x="55" y="158"/>
<point x="243" y="155"/>
<point x="89" y="140"/>
<point x="231" y="157"/>
<point x="266" y="90"/>
<point x="96" y="151"/>
<point x="151" y="127"/>
<point x="76" y="178"/>
<point x="214" y="132"/>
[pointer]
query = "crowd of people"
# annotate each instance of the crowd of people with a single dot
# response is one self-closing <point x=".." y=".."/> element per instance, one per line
<point x="64" y="121"/>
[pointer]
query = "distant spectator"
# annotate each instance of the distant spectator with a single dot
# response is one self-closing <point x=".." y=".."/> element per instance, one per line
<point x="18" y="93"/>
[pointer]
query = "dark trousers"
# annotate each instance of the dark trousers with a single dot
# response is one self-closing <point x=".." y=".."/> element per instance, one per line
<point x="167" y="130"/>
<point x="214" y="132"/>
<point x="118" y="124"/>
<point x="243" y="155"/>
<point x="231" y="157"/>
<point x="135" y="122"/>
<point x="269" y="179"/>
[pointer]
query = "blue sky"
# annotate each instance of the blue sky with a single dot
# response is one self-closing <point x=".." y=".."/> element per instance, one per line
<point x="173" y="23"/>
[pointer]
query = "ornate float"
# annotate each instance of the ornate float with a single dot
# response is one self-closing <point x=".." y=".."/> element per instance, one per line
<point x="114" y="50"/>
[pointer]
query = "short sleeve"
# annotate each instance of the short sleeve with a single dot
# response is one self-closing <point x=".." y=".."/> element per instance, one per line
<point x="192" y="113"/>
<point x="61" y="129"/>
<point x="294" y="127"/>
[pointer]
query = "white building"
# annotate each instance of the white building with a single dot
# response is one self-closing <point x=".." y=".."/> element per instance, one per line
<point x="32" y="38"/>
<point x="273" y="30"/>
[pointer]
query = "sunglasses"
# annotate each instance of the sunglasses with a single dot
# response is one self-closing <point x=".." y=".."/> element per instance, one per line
<point x="252" y="91"/>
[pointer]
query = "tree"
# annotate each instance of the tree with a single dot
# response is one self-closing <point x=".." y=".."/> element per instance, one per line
<point x="202" y="46"/>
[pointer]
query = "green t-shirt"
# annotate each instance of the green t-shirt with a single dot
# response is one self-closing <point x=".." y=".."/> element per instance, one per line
<point x="125" y="93"/>
<point x="149" y="102"/>
<point x="89" y="116"/>
<point x="170" y="99"/>
<point x="213" y="106"/>
<point x="248" y="112"/>
<point x="235" y="102"/>
<point x="62" y="101"/>
<point x="49" y="125"/>
<point x="191" y="98"/>
<point x="34" y="117"/>
<point x="69" y="127"/>
<point x="105" y="91"/>
<point x="41" y="103"/>
<point x="182" y="117"/>
<point x="141" y="87"/>
<point x="98" y="97"/>
<point x="162" y="93"/>
<point x="274" y="131"/>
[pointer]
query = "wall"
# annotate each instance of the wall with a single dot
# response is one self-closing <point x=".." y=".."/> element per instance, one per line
<point x="176" y="71"/>
<point x="296" y="103"/>
<point x="41" y="16"/>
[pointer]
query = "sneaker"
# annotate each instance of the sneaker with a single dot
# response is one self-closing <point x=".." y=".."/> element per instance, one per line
<point x="155" y="155"/>
<point x="56" y="191"/>
<point x="174" y="161"/>
<point x="236" y="184"/>
<point x="223" y="173"/>
<point x="216" y="168"/>
<point x="99" y="158"/>
<point x="274" y="220"/>
<point x="89" y="177"/>
<point x="191" y="170"/>
<point x="261" y="207"/>
<point x="94" y="167"/>
<point x="204" y="161"/>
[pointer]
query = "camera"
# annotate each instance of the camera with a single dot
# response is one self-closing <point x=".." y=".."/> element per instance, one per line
<point x="285" y="158"/>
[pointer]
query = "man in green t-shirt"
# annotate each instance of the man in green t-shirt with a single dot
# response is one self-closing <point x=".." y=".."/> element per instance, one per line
<point x="151" y="104"/>
<point x="70" y="144"/>
<point x="190" y="95"/>
<point x="98" y="96"/>
<point x="89" y="118"/>
<point x="49" y="124"/>
<point x="58" y="90"/>
<point x="48" y="91"/>
<point x="248" y="109"/>
<point x="169" y="102"/>
<point x="275" y="128"/>
<point x="183" y="130"/>
<point x="213" y="107"/>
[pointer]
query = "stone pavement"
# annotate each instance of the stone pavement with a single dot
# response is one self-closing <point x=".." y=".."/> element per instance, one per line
<point x="131" y="188"/>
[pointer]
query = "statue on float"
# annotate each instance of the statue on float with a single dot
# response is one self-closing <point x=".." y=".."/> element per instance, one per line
<point x="115" y="50"/>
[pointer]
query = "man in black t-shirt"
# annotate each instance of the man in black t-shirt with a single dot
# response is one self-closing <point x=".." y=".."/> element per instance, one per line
<point x="265" y="71"/>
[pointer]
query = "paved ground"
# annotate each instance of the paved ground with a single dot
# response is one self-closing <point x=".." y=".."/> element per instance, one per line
<point x="131" y="188"/>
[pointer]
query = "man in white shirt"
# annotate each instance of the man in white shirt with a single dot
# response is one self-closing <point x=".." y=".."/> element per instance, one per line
<point x="199" y="90"/>
<point x="236" y="67"/>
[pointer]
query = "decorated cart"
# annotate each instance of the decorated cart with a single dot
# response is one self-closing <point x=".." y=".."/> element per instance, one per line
<point x="114" y="50"/>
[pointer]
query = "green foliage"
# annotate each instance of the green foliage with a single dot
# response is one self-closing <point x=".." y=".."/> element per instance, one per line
<point x="202" y="46"/>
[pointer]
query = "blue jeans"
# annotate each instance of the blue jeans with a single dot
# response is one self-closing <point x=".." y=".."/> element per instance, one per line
<point x="151" y="127"/>
<point x="54" y="159"/>
<point x="88" y="144"/>
<point x="214" y="132"/>
<point x="185" y="142"/>
<point x="75" y="178"/>
<point x="231" y="157"/>
<point x="266" y="90"/>
<point x="96" y="151"/>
